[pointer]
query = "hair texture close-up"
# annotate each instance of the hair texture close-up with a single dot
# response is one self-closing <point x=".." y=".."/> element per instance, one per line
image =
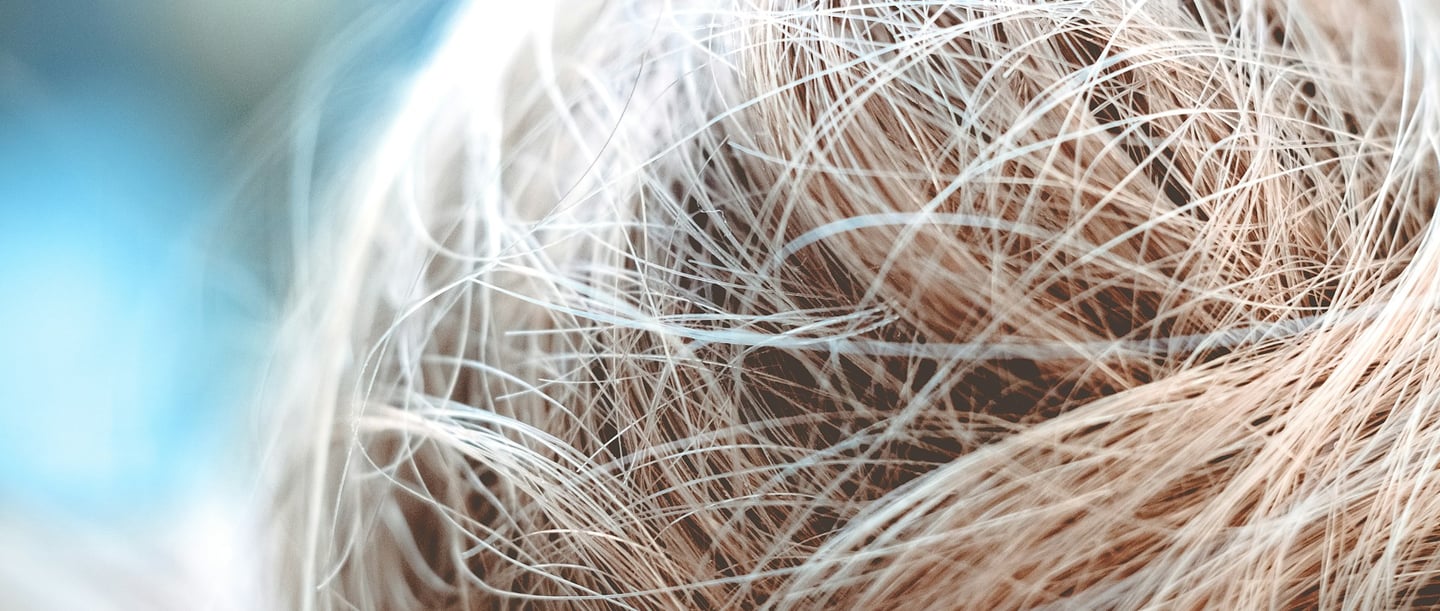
<point x="864" y="304"/>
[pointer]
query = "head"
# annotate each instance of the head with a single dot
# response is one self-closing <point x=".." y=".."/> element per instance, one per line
<point x="991" y="304"/>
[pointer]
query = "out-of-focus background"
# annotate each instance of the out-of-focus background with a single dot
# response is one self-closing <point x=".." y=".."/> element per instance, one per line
<point x="147" y="156"/>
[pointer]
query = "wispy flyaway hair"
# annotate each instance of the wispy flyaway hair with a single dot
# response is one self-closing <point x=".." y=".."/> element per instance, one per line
<point x="920" y="304"/>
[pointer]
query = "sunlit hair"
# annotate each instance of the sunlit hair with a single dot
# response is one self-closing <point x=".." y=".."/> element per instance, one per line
<point x="980" y="304"/>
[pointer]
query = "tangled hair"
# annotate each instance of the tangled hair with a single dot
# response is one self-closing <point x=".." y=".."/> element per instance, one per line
<point x="965" y="304"/>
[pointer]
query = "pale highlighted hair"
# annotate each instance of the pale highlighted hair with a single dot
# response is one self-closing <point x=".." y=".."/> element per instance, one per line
<point x="970" y="304"/>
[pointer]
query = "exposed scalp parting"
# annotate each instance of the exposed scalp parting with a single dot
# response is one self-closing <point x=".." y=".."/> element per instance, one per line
<point x="913" y="304"/>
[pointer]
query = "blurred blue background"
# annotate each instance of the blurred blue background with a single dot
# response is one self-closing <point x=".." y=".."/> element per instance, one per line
<point x="138" y="238"/>
<point x="128" y="340"/>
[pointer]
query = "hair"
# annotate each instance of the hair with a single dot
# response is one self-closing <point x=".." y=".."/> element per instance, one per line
<point x="911" y="304"/>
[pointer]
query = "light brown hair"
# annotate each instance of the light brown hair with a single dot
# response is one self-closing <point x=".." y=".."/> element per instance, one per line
<point x="918" y="304"/>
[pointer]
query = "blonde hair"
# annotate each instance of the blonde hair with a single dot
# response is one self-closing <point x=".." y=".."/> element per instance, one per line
<point x="906" y="304"/>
